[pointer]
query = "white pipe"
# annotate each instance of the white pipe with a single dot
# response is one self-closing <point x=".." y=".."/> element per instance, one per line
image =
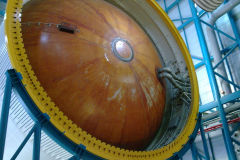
<point x="213" y="46"/>
<point x="222" y="10"/>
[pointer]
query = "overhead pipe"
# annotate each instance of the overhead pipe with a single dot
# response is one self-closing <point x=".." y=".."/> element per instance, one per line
<point x="227" y="110"/>
<point x="215" y="127"/>
<point x="214" y="47"/>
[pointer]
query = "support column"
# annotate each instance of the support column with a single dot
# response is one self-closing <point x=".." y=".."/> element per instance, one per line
<point x="37" y="142"/>
<point x="205" y="146"/>
<point x="5" y="114"/>
<point x="23" y="143"/>
<point x="211" y="146"/>
<point x="194" y="153"/>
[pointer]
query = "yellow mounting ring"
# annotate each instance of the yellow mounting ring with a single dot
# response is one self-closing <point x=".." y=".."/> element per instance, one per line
<point x="20" y="62"/>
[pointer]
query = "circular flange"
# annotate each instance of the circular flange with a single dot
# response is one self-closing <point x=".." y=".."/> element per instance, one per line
<point x="122" y="49"/>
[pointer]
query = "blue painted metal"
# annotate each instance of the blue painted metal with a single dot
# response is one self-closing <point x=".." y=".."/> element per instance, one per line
<point x="172" y="5"/>
<point x="41" y="119"/>
<point x="184" y="32"/>
<point x="219" y="37"/>
<point x="228" y="50"/>
<point x="73" y="158"/>
<point x="165" y="6"/>
<point x="201" y="13"/>
<point x="218" y="100"/>
<point x="224" y="138"/>
<point x="225" y="34"/>
<point x="2" y="13"/>
<point x="80" y="152"/>
<point x="4" y="114"/>
<point x="230" y="97"/>
<point x="224" y="99"/>
<point x="37" y="142"/>
<point x="185" y="24"/>
<point x="197" y="58"/>
<point x="230" y="73"/>
<point x="229" y="53"/>
<point x="236" y="33"/>
<point x="225" y="79"/>
<point x="182" y="19"/>
<point x="198" y="65"/>
<point x="194" y="152"/>
<point x="211" y="147"/>
<point x="190" y="19"/>
<point x="205" y="146"/>
<point x="203" y="45"/>
<point x="200" y="156"/>
<point x="213" y="82"/>
<point x="196" y="155"/>
<point x="23" y="143"/>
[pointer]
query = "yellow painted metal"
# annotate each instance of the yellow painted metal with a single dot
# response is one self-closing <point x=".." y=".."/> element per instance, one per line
<point x="20" y="62"/>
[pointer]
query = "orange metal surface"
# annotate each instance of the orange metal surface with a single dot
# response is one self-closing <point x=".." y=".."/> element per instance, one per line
<point x="119" y="102"/>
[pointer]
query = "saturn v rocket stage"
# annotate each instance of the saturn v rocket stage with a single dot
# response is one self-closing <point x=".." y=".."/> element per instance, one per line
<point x="114" y="76"/>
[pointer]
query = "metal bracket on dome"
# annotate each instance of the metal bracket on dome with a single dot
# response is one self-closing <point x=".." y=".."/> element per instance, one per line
<point x="181" y="84"/>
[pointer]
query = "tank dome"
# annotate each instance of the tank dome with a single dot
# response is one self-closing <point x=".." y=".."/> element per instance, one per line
<point x="98" y="66"/>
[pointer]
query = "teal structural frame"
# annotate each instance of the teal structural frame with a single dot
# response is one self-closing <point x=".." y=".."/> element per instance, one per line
<point x="2" y="11"/>
<point x="42" y="123"/>
<point x="206" y="59"/>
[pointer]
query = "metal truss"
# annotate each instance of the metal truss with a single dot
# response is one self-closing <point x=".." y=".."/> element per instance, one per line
<point x="206" y="59"/>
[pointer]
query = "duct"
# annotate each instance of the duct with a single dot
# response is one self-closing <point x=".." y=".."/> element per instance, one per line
<point x="208" y="5"/>
<point x="214" y="47"/>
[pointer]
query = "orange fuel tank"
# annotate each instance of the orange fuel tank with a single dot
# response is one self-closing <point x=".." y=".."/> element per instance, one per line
<point x="101" y="72"/>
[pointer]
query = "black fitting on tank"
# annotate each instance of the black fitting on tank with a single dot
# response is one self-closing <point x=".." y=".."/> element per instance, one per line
<point x="66" y="27"/>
